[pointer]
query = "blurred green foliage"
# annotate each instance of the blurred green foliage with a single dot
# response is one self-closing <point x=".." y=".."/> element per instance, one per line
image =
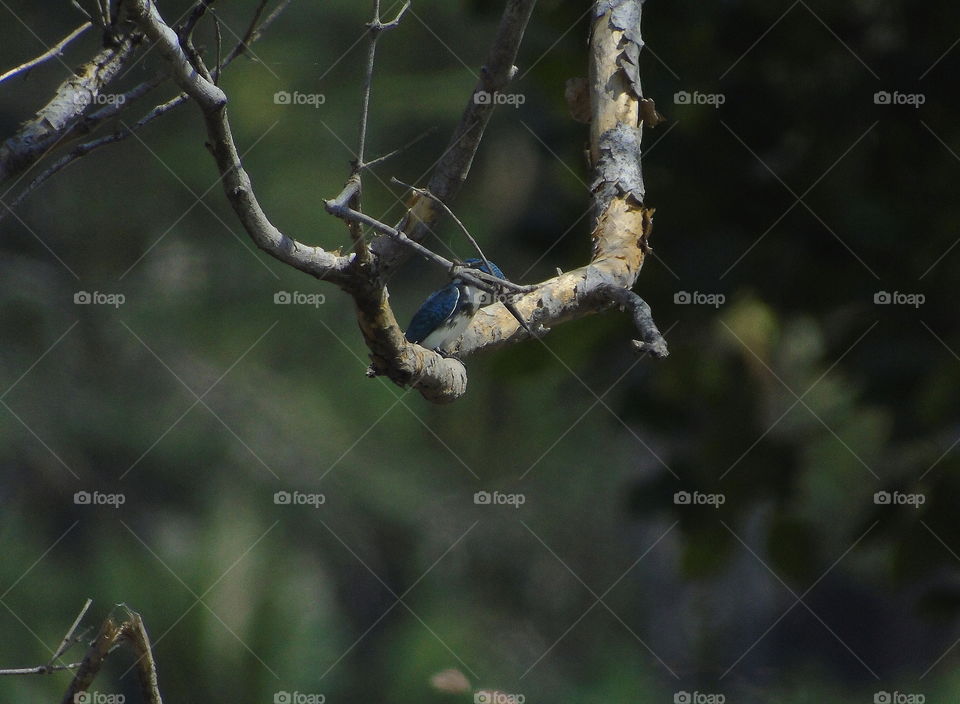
<point x="797" y="399"/>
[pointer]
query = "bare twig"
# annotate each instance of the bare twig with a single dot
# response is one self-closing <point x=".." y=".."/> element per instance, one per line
<point x="110" y="636"/>
<point x="376" y="27"/>
<point x="67" y="639"/>
<point x="483" y="257"/>
<point x="446" y="209"/>
<point x="55" y="50"/>
<point x="196" y="14"/>
<point x="380" y="159"/>
<point x="481" y="279"/>
<point x="40" y="669"/>
<point x="236" y="182"/>
<point x="219" y="40"/>
<point x="451" y="170"/>
<point x="254" y="30"/>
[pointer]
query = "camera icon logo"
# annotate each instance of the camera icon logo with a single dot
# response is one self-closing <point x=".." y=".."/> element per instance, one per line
<point x="482" y="97"/>
<point x="282" y="698"/>
<point x="282" y="298"/>
<point x="681" y="698"/>
<point x="882" y="97"/>
<point x="681" y="498"/>
<point x="282" y="97"/>
<point x="882" y="698"/>
<point x="882" y="298"/>
<point x="82" y="298"/>
<point x="882" y="498"/>
<point x="481" y="698"/>
<point x="682" y="298"/>
<point x="81" y="498"/>
<point x="482" y="498"/>
<point x="682" y="98"/>
<point x="282" y="498"/>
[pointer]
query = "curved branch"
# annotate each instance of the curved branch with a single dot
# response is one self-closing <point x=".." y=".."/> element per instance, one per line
<point x="212" y="102"/>
<point x="622" y="224"/>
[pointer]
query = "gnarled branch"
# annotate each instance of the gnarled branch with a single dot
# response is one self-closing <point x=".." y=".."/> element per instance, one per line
<point x="622" y="223"/>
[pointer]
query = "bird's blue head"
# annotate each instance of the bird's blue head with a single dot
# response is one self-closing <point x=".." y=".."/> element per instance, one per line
<point x="478" y="264"/>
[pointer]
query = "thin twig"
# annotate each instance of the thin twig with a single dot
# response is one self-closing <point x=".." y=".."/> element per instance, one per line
<point x="451" y="170"/>
<point x="66" y="642"/>
<point x="254" y="30"/>
<point x="463" y="228"/>
<point x="55" y="50"/>
<point x="196" y="14"/>
<point x="376" y="27"/>
<point x="219" y="38"/>
<point x="481" y="279"/>
<point x="380" y="159"/>
<point x="40" y="669"/>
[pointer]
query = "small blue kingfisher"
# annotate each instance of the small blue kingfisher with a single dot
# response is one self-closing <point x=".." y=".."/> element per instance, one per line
<point x="443" y="317"/>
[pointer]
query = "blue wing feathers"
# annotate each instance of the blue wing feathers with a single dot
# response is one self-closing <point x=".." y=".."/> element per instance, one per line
<point x="437" y="308"/>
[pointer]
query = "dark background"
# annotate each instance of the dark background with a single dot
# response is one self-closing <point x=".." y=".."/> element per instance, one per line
<point x="796" y="399"/>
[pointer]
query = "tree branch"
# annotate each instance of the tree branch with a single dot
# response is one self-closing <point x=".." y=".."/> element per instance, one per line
<point x="55" y="50"/>
<point x="622" y="224"/>
<point x="89" y="123"/>
<point x="212" y="102"/>
<point x="451" y="171"/>
<point x="72" y="98"/>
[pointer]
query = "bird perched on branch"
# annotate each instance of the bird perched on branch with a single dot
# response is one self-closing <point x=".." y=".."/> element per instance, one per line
<point x="443" y="317"/>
